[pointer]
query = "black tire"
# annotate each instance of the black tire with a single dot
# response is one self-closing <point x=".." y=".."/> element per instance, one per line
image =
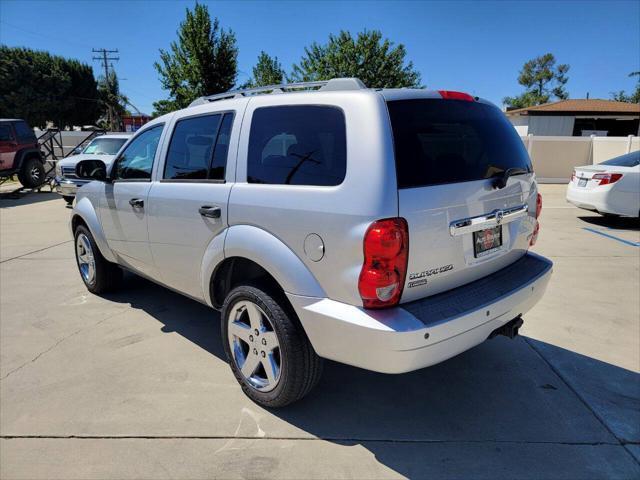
<point x="68" y="199"/>
<point x="31" y="173"/>
<point x="107" y="276"/>
<point x="300" y="366"/>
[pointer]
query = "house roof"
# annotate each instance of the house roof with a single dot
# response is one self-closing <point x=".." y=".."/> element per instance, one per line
<point x="578" y="106"/>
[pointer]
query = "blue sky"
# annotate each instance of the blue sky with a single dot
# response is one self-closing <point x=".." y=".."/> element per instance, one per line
<point x="477" y="47"/>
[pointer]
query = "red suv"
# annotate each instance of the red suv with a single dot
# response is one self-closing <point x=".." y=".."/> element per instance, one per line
<point x="20" y="153"/>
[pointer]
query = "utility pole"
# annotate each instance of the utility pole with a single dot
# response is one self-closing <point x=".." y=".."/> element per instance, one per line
<point x="105" y="58"/>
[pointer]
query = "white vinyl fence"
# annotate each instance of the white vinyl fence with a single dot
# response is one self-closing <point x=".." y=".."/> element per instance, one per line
<point x="555" y="157"/>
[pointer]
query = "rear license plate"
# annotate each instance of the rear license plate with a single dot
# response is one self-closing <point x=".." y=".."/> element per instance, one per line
<point x="487" y="241"/>
<point x="582" y="182"/>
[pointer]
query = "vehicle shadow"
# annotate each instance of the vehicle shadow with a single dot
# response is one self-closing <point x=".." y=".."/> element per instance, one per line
<point x="496" y="411"/>
<point x="9" y="199"/>
<point x="615" y="223"/>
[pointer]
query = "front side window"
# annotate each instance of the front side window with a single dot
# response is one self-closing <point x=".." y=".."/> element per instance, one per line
<point x="136" y="161"/>
<point x="297" y="145"/>
<point x="105" y="146"/>
<point x="198" y="148"/>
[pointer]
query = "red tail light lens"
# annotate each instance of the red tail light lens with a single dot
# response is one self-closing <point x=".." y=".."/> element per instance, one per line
<point x="607" y="178"/>
<point x="573" y="176"/>
<point x="386" y="251"/>
<point x="536" y="229"/>
<point x="450" y="95"/>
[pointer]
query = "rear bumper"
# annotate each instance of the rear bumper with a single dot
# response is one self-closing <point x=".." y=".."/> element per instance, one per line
<point x="428" y="331"/>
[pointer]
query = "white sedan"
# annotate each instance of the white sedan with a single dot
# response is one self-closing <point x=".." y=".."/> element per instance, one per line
<point x="609" y="188"/>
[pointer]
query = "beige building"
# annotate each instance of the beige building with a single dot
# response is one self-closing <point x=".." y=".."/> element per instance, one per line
<point x="578" y="118"/>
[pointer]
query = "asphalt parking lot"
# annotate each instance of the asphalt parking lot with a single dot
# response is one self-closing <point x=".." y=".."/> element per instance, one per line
<point x="135" y="384"/>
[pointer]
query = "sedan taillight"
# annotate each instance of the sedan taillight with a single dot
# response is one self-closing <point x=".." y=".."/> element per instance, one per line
<point x="606" y="178"/>
<point x="386" y="251"/>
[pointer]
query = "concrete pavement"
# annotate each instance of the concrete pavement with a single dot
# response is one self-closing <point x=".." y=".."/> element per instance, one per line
<point x="135" y="384"/>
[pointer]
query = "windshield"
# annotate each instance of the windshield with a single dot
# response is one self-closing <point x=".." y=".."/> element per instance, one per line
<point x="105" y="146"/>
<point x="450" y="141"/>
<point x="629" y="160"/>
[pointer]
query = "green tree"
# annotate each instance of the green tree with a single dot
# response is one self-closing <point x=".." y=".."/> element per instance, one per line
<point x="621" y="96"/>
<point x="203" y="61"/>
<point x="370" y="57"/>
<point x="268" y="71"/>
<point x="113" y="101"/>
<point x="542" y="80"/>
<point x="41" y="88"/>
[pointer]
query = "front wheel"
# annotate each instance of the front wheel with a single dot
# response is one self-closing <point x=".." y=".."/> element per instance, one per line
<point x="269" y="353"/>
<point x="98" y="274"/>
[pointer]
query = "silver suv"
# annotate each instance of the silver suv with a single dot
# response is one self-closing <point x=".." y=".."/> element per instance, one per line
<point x="385" y="229"/>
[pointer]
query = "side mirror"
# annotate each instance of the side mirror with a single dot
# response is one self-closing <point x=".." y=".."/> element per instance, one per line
<point x="92" y="170"/>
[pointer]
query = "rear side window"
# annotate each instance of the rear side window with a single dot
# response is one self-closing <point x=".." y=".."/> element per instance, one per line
<point x="451" y="141"/>
<point x="297" y="145"/>
<point x="629" y="160"/>
<point x="24" y="133"/>
<point x="198" y="148"/>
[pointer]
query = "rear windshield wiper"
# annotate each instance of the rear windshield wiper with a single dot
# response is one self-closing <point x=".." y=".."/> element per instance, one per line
<point x="502" y="179"/>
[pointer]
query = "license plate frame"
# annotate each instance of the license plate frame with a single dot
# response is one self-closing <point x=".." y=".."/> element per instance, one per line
<point x="487" y="241"/>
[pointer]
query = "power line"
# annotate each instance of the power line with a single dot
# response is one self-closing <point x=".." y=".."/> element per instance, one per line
<point x="105" y="58"/>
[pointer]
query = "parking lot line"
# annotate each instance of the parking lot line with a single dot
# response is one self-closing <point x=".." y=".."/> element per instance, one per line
<point x="626" y="242"/>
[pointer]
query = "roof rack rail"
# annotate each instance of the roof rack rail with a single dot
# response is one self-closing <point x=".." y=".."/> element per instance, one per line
<point x="335" y="84"/>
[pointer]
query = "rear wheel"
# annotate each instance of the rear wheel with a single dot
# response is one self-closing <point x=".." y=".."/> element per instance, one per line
<point x="269" y="353"/>
<point x="98" y="274"/>
<point x="31" y="173"/>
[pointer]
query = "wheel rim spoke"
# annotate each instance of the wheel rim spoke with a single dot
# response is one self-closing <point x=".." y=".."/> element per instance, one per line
<point x="271" y="368"/>
<point x="255" y="317"/>
<point x="271" y="341"/>
<point x="86" y="261"/>
<point x="240" y="330"/>
<point x="250" y="365"/>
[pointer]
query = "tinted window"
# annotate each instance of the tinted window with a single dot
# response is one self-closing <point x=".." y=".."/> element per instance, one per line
<point x="24" y="133"/>
<point x="136" y="161"/>
<point x="5" y="133"/>
<point x="629" y="160"/>
<point x="191" y="147"/>
<point x="221" y="150"/>
<point x="105" y="146"/>
<point x="448" y="141"/>
<point x="297" y="145"/>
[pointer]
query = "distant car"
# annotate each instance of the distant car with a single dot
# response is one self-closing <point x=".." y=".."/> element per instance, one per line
<point x="609" y="188"/>
<point x="20" y="153"/>
<point x="104" y="146"/>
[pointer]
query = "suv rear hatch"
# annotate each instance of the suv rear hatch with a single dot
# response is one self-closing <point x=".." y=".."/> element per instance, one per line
<point x="465" y="187"/>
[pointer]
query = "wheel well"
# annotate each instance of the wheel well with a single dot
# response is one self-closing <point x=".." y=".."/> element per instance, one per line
<point x="77" y="220"/>
<point x="236" y="271"/>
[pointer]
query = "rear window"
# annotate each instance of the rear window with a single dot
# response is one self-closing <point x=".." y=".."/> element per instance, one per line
<point x="297" y="145"/>
<point x="629" y="160"/>
<point x="451" y="141"/>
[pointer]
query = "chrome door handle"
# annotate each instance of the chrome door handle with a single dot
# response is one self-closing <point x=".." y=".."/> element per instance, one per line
<point x="210" y="212"/>
<point x="136" y="203"/>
